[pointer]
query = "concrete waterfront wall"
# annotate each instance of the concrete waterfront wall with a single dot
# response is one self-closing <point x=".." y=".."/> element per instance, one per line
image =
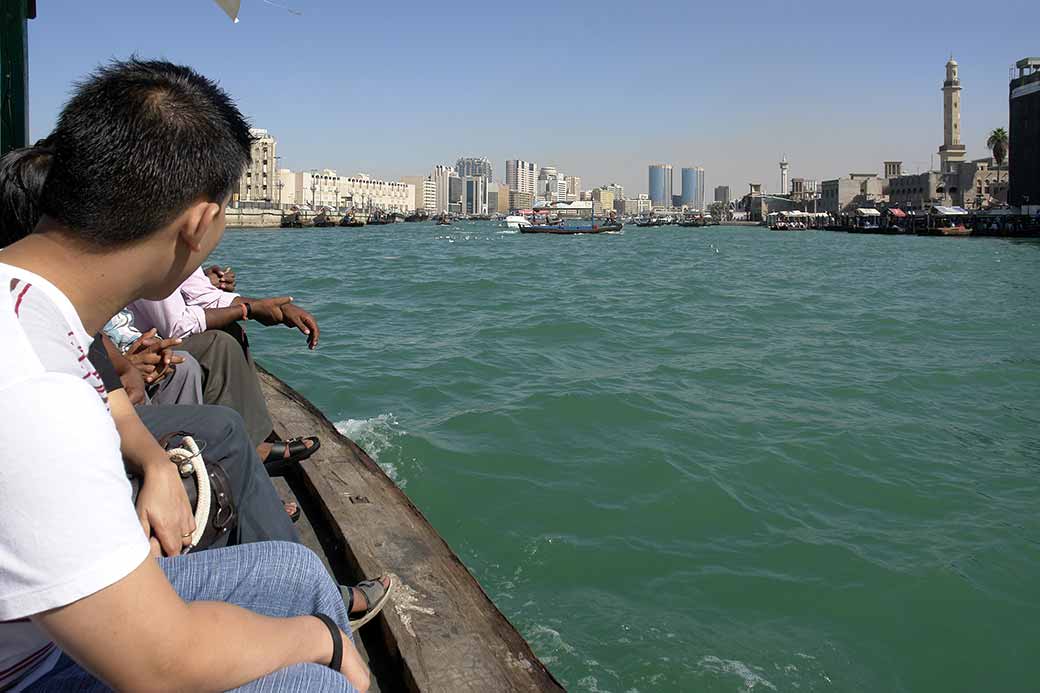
<point x="262" y="218"/>
<point x="253" y="218"/>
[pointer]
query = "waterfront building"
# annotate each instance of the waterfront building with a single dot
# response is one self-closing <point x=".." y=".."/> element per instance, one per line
<point x="915" y="191"/>
<point x="502" y="206"/>
<point x="618" y="190"/>
<point x="784" y="166"/>
<point x="661" y="185"/>
<point x="317" y="188"/>
<point x="551" y="185"/>
<point x="638" y="206"/>
<point x="952" y="151"/>
<point x="474" y="195"/>
<point x="692" y="187"/>
<point x="473" y="166"/>
<point x="804" y="189"/>
<point x="521" y="176"/>
<point x="455" y="194"/>
<point x="425" y="192"/>
<point x="977" y="184"/>
<point x="857" y="190"/>
<point x="722" y="194"/>
<point x="677" y="202"/>
<point x="1024" y="136"/>
<point x="285" y="188"/>
<point x="441" y="178"/>
<point x="258" y="182"/>
<point x="602" y="200"/>
<point x="520" y="200"/>
<point x="573" y="187"/>
<point x="363" y="191"/>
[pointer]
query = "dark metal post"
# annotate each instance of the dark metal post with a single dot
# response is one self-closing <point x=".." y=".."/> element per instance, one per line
<point x="14" y="73"/>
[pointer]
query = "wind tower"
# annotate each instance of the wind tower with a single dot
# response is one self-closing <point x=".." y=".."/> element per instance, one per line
<point x="783" y="175"/>
<point x="952" y="151"/>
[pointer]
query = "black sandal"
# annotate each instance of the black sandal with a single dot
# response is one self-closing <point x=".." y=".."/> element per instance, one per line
<point x="286" y="453"/>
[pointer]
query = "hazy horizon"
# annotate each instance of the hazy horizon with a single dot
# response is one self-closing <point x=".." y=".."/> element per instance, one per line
<point x="598" y="90"/>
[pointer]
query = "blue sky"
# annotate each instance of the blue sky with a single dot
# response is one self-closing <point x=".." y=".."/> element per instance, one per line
<point x="598" y="89"/>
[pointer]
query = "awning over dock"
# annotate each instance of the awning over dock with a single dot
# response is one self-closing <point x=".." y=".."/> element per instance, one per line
<point x="950" y="211"/>
<point x="863" y="212"/>
<point x="898" y="213"/>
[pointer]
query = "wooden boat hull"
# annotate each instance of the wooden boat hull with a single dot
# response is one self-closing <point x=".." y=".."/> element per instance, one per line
<point x="563" y="231"/>
<point x="440" y="631"/>
<point x="946" y="231"/>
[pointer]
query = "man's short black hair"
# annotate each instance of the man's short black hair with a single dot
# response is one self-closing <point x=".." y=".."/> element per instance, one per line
<point x="139" y="142"/>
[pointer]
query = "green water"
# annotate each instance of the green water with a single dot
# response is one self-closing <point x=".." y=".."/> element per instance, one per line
<point x="700" y="460"/>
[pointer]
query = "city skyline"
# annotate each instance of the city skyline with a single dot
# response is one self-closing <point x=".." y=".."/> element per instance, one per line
<point x="328" y="109"/>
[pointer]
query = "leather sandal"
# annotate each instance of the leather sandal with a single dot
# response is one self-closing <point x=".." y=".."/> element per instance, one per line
<point x="286" y="453"/>
<point x="376" y="596"/>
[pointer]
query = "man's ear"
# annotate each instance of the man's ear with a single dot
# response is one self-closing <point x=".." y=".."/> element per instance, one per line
<point x="198" y="220"/>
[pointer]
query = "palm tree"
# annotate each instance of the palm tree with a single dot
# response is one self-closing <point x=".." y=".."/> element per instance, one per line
<point x="998" y="144"/>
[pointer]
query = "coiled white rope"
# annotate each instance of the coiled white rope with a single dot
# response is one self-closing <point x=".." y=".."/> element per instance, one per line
<point x="188" y="459"/>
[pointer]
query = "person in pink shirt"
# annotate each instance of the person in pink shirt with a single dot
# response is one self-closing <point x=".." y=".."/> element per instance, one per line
<point x="208" y="319"/>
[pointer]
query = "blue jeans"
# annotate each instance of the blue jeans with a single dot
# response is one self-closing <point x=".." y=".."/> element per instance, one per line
<point x="273" y="578"/>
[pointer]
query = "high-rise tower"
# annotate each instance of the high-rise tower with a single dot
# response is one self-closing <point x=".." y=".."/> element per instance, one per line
<point x="952" y="151"/>
<point x="784" y="189"/>
<point x="661" y="185"/>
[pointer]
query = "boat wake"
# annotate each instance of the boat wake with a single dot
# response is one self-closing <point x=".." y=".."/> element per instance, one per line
<point x="380" y="437"/>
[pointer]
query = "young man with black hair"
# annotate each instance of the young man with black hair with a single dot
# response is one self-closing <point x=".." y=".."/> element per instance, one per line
<point x="145" y="156"/>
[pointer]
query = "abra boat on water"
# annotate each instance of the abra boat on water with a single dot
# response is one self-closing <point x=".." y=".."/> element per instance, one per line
<point x="573" y="230"/>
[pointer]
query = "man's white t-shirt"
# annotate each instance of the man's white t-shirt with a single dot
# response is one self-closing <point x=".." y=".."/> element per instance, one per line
<point x="69" y="528"/>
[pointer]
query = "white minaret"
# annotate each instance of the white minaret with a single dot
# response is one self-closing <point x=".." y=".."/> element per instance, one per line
<point x="952" y="151"/>
<point x="783" y="175"/>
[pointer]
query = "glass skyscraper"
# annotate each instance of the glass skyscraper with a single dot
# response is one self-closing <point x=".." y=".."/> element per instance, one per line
<point x="661" y="185"/>
<point x="693" y="187"/>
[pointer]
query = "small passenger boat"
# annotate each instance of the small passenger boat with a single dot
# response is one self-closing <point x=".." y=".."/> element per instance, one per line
<point x="323" y="220"/>
<point x="353" y="220"/>
<point x="573" y="230"/>
<point x="291" y="221"/>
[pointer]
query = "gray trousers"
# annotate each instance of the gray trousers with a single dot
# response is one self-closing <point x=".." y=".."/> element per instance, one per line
<point x="261" y="516"/>
<point x="229" y="379"/>
<point x="183" y="386"/>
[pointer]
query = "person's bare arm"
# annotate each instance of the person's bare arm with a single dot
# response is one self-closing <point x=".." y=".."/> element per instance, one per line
<point x="289" y="314"/>
<point x="162" y="505"/>
<point x="138" y="635"/>
<point x="266" y="311"/>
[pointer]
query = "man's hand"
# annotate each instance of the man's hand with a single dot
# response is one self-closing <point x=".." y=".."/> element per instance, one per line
<point x="268" y="311"/>
<point x="294" y="316"/>
<point x="163" y="508"/>
<point x="133" y="383"/>
<point x="221" y="277"/>
<point x="154" y="357"/>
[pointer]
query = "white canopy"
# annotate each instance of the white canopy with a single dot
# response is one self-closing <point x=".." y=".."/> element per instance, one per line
<point x="950" y="211"/>
<point x="868" y="212"/>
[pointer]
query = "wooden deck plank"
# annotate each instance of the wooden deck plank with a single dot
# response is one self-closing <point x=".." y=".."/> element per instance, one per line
<point x="441" y="632"/>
